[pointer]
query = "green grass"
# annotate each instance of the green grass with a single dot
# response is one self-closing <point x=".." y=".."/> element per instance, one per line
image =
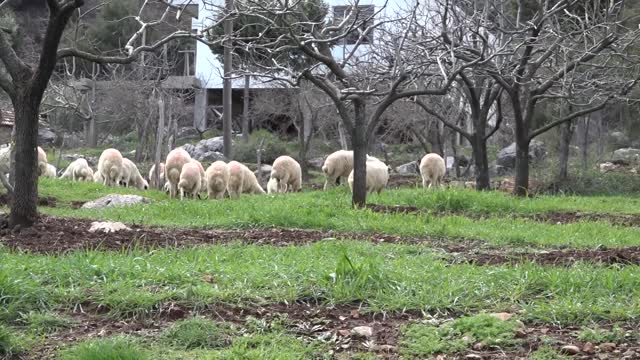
<point x="420" y="340"/>
<point x="105" y="349"/>
<point x="44" y="323"/>
<point x="332" y="211"/>
<point x="10" y="344"/>
<point x="385" y="277"/>
<point x="198" y="333"/>
<point x="272" y="345"/>
<point x="598" y="335"/>
<point x="497" y="202"/>
<point x="548" y="353"/>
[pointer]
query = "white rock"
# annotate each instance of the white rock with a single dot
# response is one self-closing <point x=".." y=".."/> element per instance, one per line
<point x="362" y="331"/>
<point x="115" y="200"/>
<point x="107" y="226"/>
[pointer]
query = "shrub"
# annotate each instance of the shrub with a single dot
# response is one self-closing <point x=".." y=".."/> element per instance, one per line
<point x="272" y="147"/>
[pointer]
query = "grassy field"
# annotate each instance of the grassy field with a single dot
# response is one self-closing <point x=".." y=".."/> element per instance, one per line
<point x="253" y="301"/>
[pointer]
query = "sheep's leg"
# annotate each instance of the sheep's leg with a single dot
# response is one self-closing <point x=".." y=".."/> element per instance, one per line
<point x="284" y="182"/>
<point x="424" y="182"/>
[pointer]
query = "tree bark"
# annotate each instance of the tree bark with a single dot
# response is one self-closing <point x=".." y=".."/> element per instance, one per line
<point x="479" y="147"/>
<point x="585" y="144"/>
<point x="159" y="141"/>
<point x="92" y="136"/>
<point x="24" y="211"/>
<point x="359" y="144"/>
<point x="245" y="110"/>
<point x="521" y="187"/>
<point x="566" y="134"/>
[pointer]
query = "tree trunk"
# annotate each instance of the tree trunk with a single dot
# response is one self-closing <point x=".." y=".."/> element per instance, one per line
<point x="341" y="136"/>
<point x="565" y="141"/>
<point x="479" y="147"/>
<point x="24" y="210"/>
<point x="159" y="141"/>
<point x="585" y="144"/>
<point x="245" y="110"/>
<point x="359" y="144"/>
<point x="521" y="187"/>
<point x="92" y="136"/>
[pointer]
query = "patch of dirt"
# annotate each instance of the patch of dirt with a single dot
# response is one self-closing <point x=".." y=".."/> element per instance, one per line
<point x="556" y="217"/>
<point x="568" y="257"/>
<point x="332" y="325"/>
<point x="59" y="235"/>
<point x="49" y="201"/>
<point x="54" y="235"/>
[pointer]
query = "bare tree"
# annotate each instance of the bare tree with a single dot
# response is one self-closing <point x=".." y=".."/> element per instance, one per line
<point x="567" y="49"/>
<point x="26" y="83"/>
<point x="379" y="62"/>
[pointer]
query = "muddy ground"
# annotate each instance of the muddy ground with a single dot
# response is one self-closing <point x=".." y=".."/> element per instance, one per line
<point x="333" y="325"/>
<point x="54" y="235"/>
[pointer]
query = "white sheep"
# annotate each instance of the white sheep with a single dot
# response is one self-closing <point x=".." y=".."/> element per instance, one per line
<point x="97" y="177"/>
<point x="203" y="176"/>
<point x="42" y="161"/>
<point x="287" y="173"/>
<point x="377" y="176"/>
<point x="110" y="166"/>
<point x="272" y="186"/>
<point x="242" y="180"/>
<point x="190" y="181"/>
<point x="161" y="178"/>
<point x="78" y="170"/>
<point x="432" y="170"/>
<point x="176" y="159"/>
<point x="51" y="171"/>
<point x="217" y="179"/>
<point x="337" y="165"/>
<point x="131" y="176"/>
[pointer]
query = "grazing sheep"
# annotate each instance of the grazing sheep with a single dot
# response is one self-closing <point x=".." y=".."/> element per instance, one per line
<point x="78" y="170"/>
<point x="176" y="159"/>
<point x="377" y="176"/>
<point x="51" y="171"/>
<point x="42" y="161"/>
<point x="242" y="180"/>
<point x="161" y="178"/>
<point x="97" y="177"/>
<point x="217" y="176"/>
<point x="110" y="165"/>
<point x="203" y="176"/>
<point x="131" y="176"/>
<point x="339" y="164"/>
<point x="432" y="169"/>
<point x="190" y="181"/>
<point x="336" y="165"/>
<point x="272" y="186"/>
<point x="287" y="173"/>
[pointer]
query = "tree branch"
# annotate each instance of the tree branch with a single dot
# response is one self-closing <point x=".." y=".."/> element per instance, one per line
<point x="442" y="119"/>
<point x="67" y="52"/>
<point x="499" y="119"/>
<point x="58" y="18"/>
<point x="587" y="56"/>
<point x="6" y="84"/>
<point x="12" y="63"/>
<point x="569" y="117"/>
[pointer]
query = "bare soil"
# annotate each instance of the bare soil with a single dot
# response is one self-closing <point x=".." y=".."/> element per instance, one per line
<point x="330" y="324"/>
<point x="55" y="235"/>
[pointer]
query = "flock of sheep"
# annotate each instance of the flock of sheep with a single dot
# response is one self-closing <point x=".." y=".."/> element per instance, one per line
<point x="184" y="176"/>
